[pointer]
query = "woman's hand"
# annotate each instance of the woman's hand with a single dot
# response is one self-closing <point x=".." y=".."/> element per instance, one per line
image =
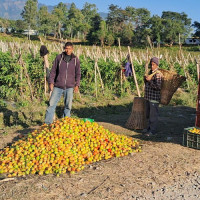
<point x="148" y="78"/>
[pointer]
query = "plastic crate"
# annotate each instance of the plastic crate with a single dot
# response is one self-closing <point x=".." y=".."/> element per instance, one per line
<point x="191" y="140"/>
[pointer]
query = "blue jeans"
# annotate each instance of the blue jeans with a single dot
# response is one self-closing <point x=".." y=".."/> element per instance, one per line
<point x="55" y="98"/>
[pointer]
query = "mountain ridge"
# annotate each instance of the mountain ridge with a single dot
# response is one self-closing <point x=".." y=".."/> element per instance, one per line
<point x="12" y="9"/>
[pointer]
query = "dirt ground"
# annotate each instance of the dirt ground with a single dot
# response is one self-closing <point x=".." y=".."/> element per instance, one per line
<point x="164" y="166"/>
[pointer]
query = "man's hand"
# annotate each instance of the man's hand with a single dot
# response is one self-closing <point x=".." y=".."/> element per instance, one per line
<point x="51" y="86"/>
<point x="76" y="89"/>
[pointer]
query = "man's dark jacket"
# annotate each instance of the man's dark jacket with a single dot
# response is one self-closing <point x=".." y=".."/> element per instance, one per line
<point x="65" y="74"/>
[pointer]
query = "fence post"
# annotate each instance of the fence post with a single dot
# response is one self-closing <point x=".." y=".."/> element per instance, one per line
<point x="134" y="75"/>
<point x="197" y="121"/>
<point x="197" y="63"/>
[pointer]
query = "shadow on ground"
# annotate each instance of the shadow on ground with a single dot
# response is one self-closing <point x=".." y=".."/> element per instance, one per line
<point x="10" y="118"/>
<point x="172" y="121"/>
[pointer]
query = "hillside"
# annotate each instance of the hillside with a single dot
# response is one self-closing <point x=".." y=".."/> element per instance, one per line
<point x="11" y="9"/>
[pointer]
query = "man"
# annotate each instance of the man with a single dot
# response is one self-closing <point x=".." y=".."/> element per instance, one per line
<point x="152" y="95"/>
<point x="64" y="78"/>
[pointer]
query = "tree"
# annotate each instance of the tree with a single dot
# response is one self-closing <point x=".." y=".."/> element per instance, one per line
<point x="95" y="24"/>
<point x="141" y="31"/>
<point x="4" y="23"/>
<point x="141" y="17"/>
<point x="175" y="24"/>
<point x="20" y="26"/>
<point x="102" y="32"/>
<point x="157" y="28"/>
<point x="141" y="34"/>
<point x="171" y="31"/>
<point x="89" y="11"/>
<point x="29" y="13"/>
<point x="75" y="20"/>
<point x="196" y="25"/>
<point x="131" y="15"/>
<point x="44" y="20"/>
<point x="127" y="34"/>
<point x="59" y="17"/>
<point x="179" y="17"/>
<point x="116" y="18"/>
<point x="110" y="39"/>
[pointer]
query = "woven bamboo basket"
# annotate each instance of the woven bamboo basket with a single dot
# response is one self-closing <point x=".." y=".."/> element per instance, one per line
<point x="171" y="82"/>
<point x="137" y="119"/>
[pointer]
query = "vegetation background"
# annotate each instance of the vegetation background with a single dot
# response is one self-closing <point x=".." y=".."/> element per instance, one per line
<point x="101" y="45"/>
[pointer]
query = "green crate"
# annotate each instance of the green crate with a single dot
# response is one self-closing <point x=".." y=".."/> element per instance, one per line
<point x="191" y="140"/>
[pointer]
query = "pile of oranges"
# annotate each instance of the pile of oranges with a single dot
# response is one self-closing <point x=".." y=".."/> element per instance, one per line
<point x="66" y="145"/>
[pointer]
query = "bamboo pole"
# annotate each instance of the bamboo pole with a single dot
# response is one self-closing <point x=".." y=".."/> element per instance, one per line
<point x="120" y="53"/>
<point x="95" y="73"/>
<point x="197" y="64"/>
<point x="147" y="62"/>
<point x="134" y="75"/>
<point x="179" y="41"/>
<point x="46" y="67"/>
<point x="149" y="41"/>
<point x="97" y="67"/>
<point x="21" y="73"/>
<point x="21" y="62"/>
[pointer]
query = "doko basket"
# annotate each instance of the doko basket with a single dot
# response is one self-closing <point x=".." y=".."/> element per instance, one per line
<point x="191" y="140"/>
<point x="137" y="118"/>
<point x="171" y="82"/>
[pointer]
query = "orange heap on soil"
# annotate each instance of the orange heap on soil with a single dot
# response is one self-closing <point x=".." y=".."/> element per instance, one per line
<point x="64" y="146"/>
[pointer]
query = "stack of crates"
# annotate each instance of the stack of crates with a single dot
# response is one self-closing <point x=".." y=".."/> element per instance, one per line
<point x="191" y="140"/>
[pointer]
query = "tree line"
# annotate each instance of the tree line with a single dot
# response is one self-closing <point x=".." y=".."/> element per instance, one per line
<point x="134" y="26"/>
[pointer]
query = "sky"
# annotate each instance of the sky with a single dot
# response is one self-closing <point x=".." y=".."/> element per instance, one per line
<point x="190" y="7"/>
